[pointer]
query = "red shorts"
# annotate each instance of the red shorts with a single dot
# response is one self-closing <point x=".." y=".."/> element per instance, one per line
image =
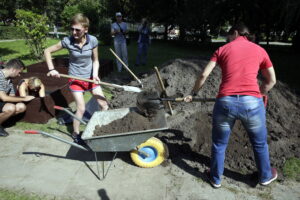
<point x="81" y="86"/>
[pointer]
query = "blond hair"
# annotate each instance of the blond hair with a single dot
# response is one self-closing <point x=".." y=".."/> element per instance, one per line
<point x="80" y="18"/>
<point x="34" y="82"/>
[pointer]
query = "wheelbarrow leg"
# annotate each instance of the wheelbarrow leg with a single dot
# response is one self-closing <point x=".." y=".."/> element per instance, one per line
<point x="103" y="170"/>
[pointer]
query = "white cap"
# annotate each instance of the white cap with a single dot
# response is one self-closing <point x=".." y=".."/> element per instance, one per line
<point x="118" y="14"/>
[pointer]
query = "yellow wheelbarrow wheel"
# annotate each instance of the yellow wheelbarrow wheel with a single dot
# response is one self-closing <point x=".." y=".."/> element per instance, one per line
<point x="150" y="153"/>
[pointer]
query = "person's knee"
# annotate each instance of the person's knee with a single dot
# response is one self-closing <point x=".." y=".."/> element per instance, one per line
<point x="9" y="109"/>
<point x="20" y="107"/>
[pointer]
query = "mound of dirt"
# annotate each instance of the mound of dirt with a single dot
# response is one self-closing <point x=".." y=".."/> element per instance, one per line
<point x="193" y="120"/>
<point x="131" y="122"/>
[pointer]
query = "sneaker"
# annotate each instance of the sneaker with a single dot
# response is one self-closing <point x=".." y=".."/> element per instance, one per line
<point x="212" y="183"/>
<point x="273" y="178"/>
<point x="77" y="138"/>
<point x="3" y="133"/>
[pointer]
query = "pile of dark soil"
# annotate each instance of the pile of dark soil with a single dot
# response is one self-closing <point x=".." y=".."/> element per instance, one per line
<point x="131" y="122"/>
<point x="192" y="123"/>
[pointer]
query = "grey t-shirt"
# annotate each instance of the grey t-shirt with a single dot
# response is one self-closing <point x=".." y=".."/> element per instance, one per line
<point x="6" y="85"/>
<point x="119" y="37"/>
<point x="80" y="59"/>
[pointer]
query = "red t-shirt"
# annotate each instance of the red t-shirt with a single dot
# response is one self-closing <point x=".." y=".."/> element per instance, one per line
<point x="240" y="61"/>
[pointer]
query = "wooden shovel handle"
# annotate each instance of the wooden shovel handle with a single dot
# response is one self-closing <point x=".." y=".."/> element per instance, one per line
<point x="89" y="80"/>
<point x="126" y="67"/>
<point x="78" y="78"/>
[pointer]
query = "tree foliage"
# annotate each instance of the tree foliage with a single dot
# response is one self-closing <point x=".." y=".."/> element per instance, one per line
<point x="35" y="29"/>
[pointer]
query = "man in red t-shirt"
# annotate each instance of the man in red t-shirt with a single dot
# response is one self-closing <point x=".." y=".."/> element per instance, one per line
<point x="240" y="97"/>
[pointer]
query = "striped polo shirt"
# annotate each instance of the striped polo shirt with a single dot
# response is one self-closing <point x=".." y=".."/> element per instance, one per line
<point x="6" y="85"/>
<point x="80" y="59"/>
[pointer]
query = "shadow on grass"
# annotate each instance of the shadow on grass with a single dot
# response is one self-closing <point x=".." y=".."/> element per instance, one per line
<point x="6" y="51"/>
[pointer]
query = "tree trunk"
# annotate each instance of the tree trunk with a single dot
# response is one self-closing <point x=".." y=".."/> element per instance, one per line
<point x="182" y="33"/>
<point x="166" y="32"/>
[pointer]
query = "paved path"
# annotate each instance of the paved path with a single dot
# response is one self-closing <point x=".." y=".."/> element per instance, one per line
<point x="48" y="167"/>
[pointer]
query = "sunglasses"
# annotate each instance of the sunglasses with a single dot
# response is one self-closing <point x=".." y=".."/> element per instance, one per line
<point x="75" y="29"/>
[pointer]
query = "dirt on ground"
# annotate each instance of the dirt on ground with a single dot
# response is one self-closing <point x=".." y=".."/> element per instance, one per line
<point x="190" y="128"/>
<point x="133" y="121"/>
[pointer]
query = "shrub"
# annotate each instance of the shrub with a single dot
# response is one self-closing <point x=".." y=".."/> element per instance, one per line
<point x="105" y="33"/>
<point x="35" y="29"/>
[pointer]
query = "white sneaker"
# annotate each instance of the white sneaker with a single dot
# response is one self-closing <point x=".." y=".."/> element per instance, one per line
<point x="273" y="178"/>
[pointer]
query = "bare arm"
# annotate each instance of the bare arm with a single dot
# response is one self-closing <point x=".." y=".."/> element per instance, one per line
<point x="47" y="54"/>
<point x="203" y="76"/>
<point x="22" y="90"/>
<point x="201" y="79"/>
<point x="42" y="91"/>
<point x="269" y="80"/>
<point x="95" y="64"/>
<point x="6" y="98"/>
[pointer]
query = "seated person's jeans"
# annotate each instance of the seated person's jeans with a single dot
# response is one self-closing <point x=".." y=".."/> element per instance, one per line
<point x="251" y="111"/>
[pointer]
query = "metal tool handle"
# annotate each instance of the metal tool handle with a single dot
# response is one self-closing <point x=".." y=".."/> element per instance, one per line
<point x="55" y="137"/>
<point x="179" y="99"/>
<point x="70" y="113"/>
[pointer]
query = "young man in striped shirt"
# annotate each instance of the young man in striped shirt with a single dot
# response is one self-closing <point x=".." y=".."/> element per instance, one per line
<point x="10" y="104"/>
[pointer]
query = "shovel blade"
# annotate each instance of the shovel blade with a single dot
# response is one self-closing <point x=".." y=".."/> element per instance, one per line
<point x="132" y="89"/>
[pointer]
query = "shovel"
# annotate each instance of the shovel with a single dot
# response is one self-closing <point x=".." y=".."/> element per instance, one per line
<point x="124" y="87"/>
<point x="127" y="68"/>
<point x="195" y="99"/>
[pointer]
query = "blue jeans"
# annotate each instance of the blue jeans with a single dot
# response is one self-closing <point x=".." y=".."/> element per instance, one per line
<point x="142" y="53"/>
<point x="251" y="111"/>
<point x="121" y="51"/>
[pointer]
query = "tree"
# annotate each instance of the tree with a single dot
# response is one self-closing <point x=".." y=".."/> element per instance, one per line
<point x="35" y="29"/>
<point x="90" y="8"/>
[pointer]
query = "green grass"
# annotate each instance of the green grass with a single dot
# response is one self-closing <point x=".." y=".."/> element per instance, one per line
<point x="291" y="169"/>
<point x="11" y="195"/>
<point x="18" y="49"/>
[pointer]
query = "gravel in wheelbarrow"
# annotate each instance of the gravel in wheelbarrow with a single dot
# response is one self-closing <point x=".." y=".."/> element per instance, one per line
<point x="134" y="121"/>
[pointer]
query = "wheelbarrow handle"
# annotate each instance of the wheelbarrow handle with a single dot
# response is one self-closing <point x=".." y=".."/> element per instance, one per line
<point x="56" y="138"/>
<point x="58" y="107"/>
<point x="31" y="132"/>
<point x="70" y="113"/>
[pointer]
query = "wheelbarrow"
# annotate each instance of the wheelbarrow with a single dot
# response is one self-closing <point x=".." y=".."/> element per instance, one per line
<point x="145" y="150"/>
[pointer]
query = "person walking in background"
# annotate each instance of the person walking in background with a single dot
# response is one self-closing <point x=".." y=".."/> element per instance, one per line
<point x="10" y="104"/>
<point x="119" y="31"/>
<point x="143" y="42"/>
<point x="83" y="63"/>
<point x="240" y="97"/>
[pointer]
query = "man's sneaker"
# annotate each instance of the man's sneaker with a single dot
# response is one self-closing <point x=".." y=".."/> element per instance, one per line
<point x="3" y="133"/>
<point x="273" y="178"/>
<point x="213" y="184"/>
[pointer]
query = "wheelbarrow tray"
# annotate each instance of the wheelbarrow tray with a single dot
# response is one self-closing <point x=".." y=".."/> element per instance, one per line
<point x="116" y="142"/>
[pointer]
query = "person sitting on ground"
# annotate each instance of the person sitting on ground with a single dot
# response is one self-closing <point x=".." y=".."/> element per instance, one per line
<point x="10" y="104"/>
<point x="31" y="86"/>
<point x="240" y="98"/>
